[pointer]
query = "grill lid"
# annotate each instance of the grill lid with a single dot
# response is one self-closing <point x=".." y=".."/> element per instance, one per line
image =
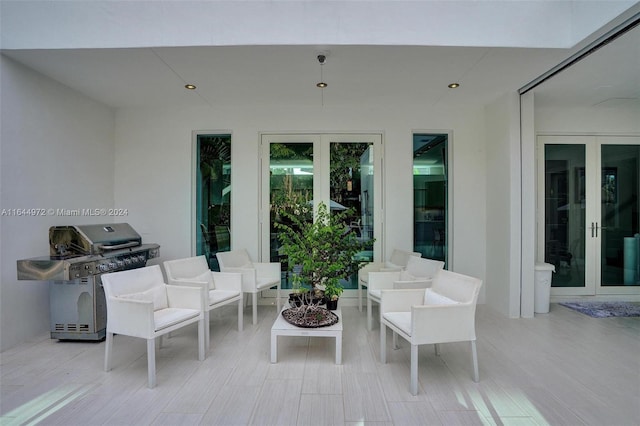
<point x="91" y="239"/>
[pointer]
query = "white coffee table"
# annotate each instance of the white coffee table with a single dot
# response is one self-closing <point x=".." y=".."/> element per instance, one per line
<point x="282" y="328"/>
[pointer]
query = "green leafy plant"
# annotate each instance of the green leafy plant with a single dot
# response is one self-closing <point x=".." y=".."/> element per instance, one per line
<point x="324" y="251"/>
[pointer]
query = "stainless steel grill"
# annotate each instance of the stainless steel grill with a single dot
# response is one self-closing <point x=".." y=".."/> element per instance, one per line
<point x="78" y="256"/>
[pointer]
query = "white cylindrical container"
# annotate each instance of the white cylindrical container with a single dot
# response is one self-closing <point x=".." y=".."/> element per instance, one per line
<point x="542" y="289"/>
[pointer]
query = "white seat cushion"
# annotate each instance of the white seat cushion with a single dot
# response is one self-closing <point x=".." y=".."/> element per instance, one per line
<point x="167" y="317"/>
<point x="433" y="298"/>
<point x="157" y="295"/>
<point x="219" y="296"/>
<point x="402" y="320"/>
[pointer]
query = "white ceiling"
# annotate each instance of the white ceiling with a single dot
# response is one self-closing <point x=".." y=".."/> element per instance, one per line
<point x="363" y="75"/>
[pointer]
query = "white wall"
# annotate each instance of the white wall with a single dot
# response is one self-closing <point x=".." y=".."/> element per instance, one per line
<point x="56" y="151"/>
<point x="153" y="169"/>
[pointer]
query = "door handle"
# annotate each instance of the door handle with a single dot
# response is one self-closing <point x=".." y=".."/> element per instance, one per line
<point x="592" y="228"/>
<point x="596" y="229"/>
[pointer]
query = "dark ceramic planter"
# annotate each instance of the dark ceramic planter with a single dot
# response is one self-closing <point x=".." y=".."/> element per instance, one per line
<point x="332" y="305"/>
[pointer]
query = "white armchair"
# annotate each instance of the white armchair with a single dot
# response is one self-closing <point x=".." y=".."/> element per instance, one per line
<point x="140" y="304"/>
<point x="440" y="314"/>
<point x="256" y="276"/>
<point x="397" y="262"/>
<point x="417" y="274"/>
<point x="221" y="288"/>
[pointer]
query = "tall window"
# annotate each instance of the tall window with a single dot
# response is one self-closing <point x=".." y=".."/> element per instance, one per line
<point x="430" y="199"/>
<point x="213" y="196"/>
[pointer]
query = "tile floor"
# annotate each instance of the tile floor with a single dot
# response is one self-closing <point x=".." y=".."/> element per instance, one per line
<point x="561" y="368"/>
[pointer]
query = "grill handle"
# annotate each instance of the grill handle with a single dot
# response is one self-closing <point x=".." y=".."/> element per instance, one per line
<point x="119" y="246"/>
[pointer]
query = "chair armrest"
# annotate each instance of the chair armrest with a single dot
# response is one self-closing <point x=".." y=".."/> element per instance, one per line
<point x="227" y="281"/>
<point x="421" y="283"/>
<point x="391" y="268"/>
<point x="190" y="283"/>
<point x="372" y="266"/>
<point x="269" y="270"/>
<point x="186" y="297"/>
<point x="248" y="277"/>
<point x="382" y="280"/>
<point x="400" y="300"/>
<point x="130" y="317"/>
<point x="363" y="273"/>
<point x="443" y="323"/>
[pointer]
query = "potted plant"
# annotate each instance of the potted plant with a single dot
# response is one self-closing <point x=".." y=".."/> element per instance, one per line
<point x="323" y="252"/>
<point x="332" y="294"/>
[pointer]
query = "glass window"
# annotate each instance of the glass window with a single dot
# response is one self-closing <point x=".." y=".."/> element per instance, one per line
<point x="213" y="196"/>
<point x="430" y="196"/>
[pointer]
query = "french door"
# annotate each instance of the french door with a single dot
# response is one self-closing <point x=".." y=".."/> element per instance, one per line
<point x="588" y="210"/>
<point x="341" y="170"/>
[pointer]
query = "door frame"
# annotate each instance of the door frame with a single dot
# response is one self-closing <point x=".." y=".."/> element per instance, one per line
<point x="321" y="190"/>
<point x="592" y="143"/>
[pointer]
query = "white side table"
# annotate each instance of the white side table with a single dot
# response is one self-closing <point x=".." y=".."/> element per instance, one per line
<point x="282" y="328"/>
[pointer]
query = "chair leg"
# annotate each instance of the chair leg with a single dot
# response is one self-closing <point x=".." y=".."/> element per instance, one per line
<point x="151" y="363"/>
<point x="201" y="339"/>
<point x="396" y="346"/>
<point x="474" y="356"/>
<point x="369" y="315"/>
<point x="240" y="315"/>
<point x="108" y="349"/>
<point x="383" y="343"/>
<point x="255" y="308"/>
<point x="437" y="348"/>
<point x="414" y="370"/>
<point x="207" y="329"/>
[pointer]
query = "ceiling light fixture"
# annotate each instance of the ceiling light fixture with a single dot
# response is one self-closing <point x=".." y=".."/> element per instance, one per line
<point x="322" y="59"/>
<point x="190" y="86"/>
<point x="453" y="85"/>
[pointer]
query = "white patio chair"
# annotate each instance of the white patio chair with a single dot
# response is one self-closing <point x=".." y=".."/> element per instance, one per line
<point x="221" y="288"/>
<point x="256" y="276"/>
<point x="440" y="314"/>
<point x="397" y="262"/>
<point x="140" y="304"/>
<point x="417" y="274"/>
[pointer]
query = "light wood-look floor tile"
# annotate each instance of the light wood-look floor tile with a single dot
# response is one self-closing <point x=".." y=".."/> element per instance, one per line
<point x="561" y="368"/>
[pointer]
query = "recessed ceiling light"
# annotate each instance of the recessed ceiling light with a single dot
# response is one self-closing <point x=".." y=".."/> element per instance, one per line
<point x="453" y="85"/>
<point x="321" y="85"/>
<point x="190" y="86"/>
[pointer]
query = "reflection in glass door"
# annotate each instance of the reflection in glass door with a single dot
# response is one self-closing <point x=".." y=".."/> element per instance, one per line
<point x="290" y="192"/>
<point x="619" y="209"/>
<point x="352" y="187"/>
<point x="565" y="200"/>
<point x="591" y="214"/>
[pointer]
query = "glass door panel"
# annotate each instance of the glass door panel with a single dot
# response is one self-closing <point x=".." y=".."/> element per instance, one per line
<point x="565" y="200"/>
<point x="351" y="183"/>
<point x="619" y="209"/>
<point x="291" y="174"/>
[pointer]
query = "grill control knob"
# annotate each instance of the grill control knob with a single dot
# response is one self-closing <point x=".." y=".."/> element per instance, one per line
<point x="102" y="267"/>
